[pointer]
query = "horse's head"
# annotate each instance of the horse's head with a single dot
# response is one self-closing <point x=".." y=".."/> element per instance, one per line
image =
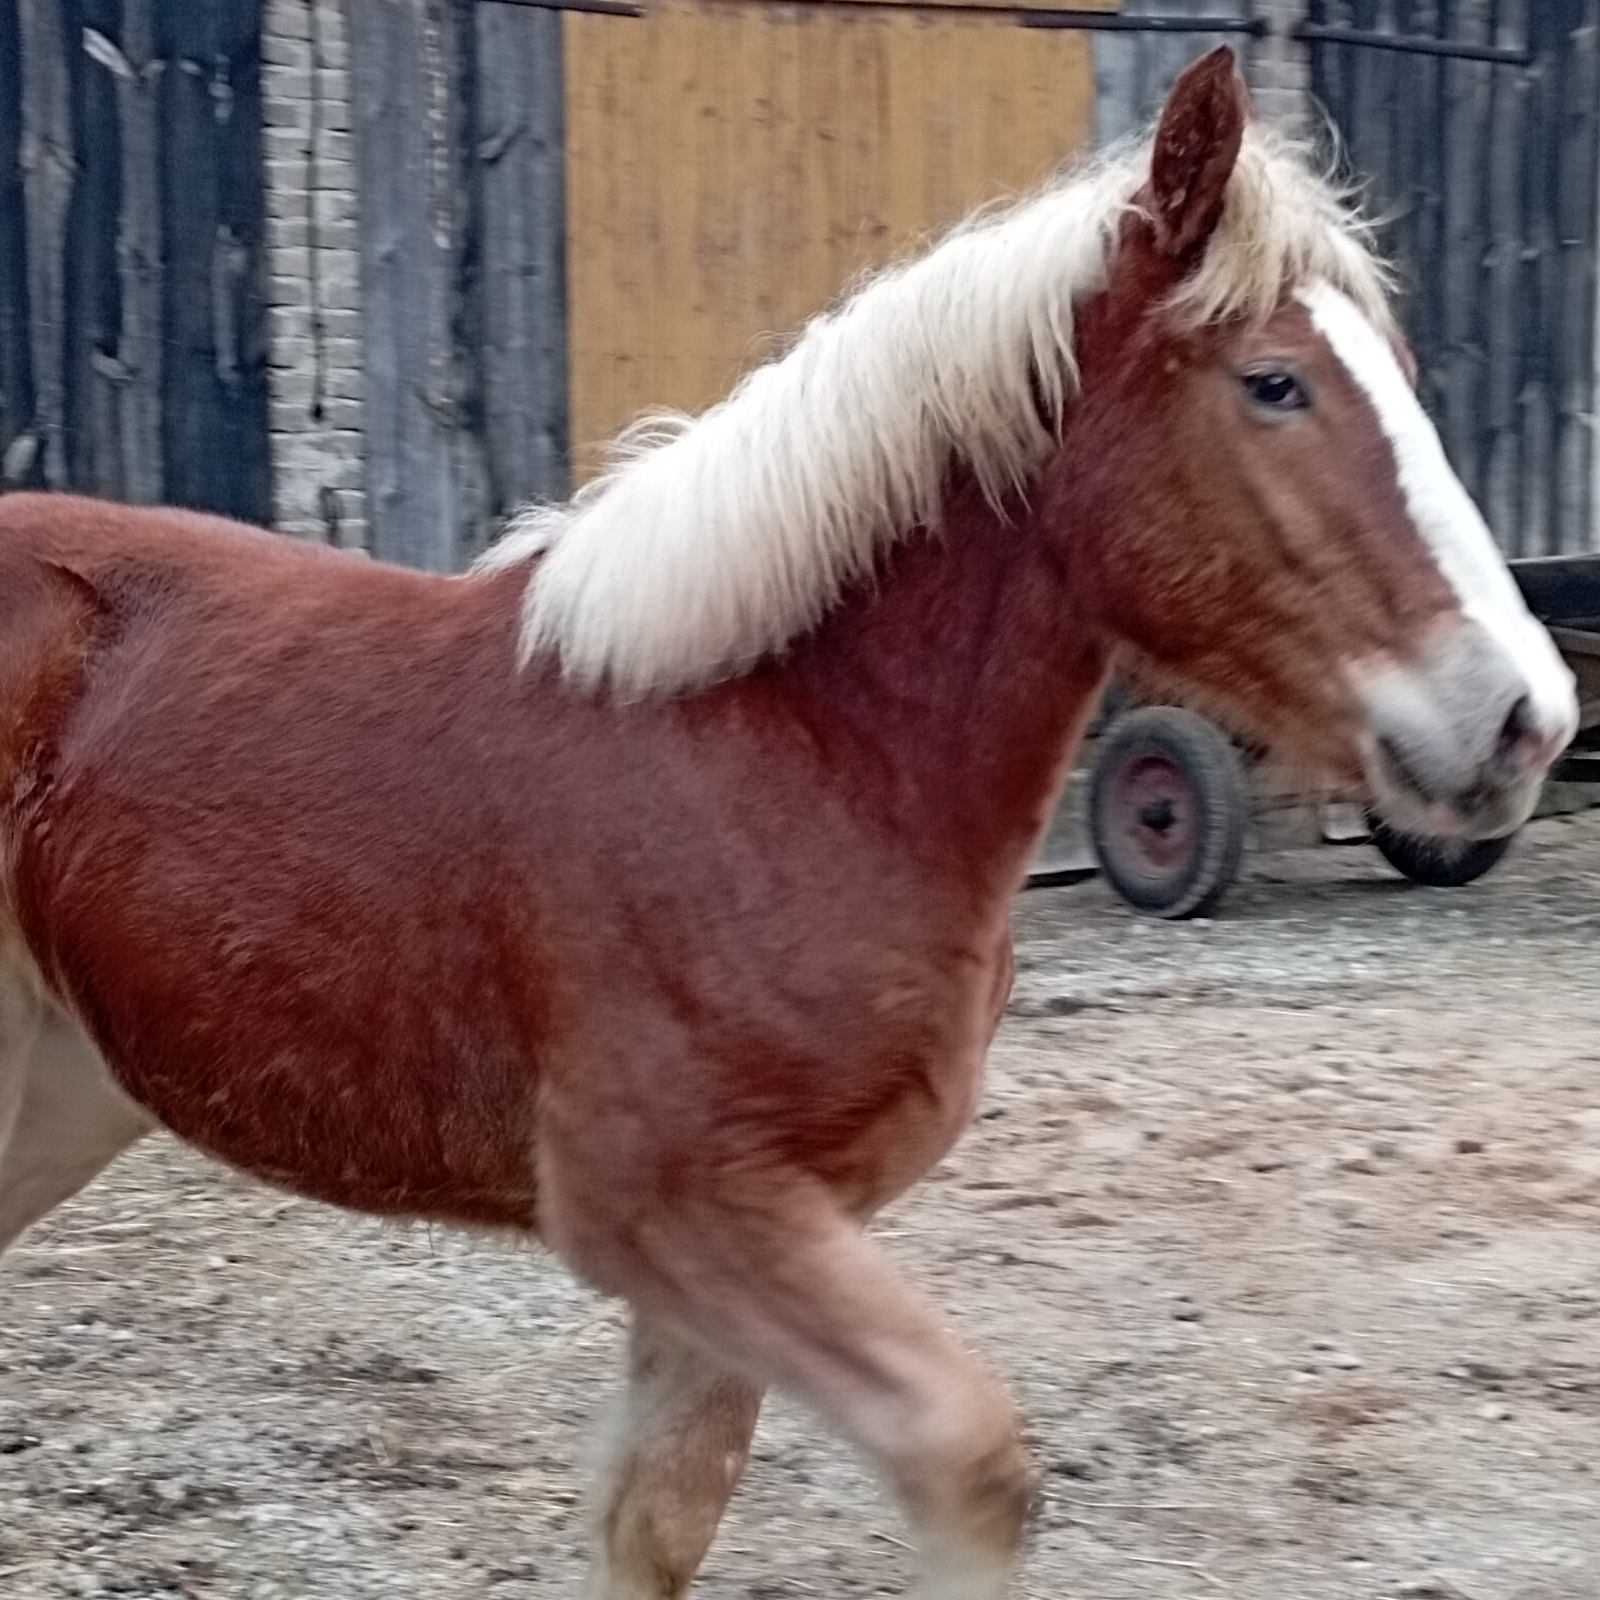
<point x="1272" y="520"/>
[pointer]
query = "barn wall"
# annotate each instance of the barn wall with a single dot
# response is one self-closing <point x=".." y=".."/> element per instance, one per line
<point x="732" y="166"/>
<point x="1483" y="170"/>
<point x="566" y="219"/>
<point x="460" y="167"/>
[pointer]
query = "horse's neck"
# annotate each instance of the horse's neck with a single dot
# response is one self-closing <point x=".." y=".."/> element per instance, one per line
<point x="969" y="673"/>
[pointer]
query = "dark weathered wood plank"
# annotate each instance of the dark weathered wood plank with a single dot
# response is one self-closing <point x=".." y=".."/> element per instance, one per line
<point x="410" y="493"/>
<point x="214" y="388"/>
<point x="1488" y="174"/>
<point x="1463" y="357"/>
<point x="139" y="254"/>
<point x="519" y="150"/>
<point x="21" y="461"/>
<point x="460" y="222"/>
<point x="1427" y="133"/>
<point x="1587" y="288"/>
<point x="47" y="135"/>
<point x="92" y="292"/>
<point x="1322" y="75"/>
<point x="1573" y="181"/>
<point x="1537" y="253"/>
<point x="1501" y="311"/>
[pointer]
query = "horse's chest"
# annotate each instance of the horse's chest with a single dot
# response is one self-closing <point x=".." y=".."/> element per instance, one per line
<point x="932" y="1075"/>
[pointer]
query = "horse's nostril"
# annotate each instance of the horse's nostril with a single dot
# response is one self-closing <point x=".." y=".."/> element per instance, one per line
<point x="1404" y="769"/>
<point x="1518" y="726"/>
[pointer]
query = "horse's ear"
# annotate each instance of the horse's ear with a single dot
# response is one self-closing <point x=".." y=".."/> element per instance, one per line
<point x="1196" y="146"/>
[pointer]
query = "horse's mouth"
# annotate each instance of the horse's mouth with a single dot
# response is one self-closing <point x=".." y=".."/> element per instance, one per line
<point x="1410" y="803"/>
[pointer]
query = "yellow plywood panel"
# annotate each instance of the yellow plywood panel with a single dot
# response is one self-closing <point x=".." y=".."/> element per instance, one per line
<point x="732" y="166"/>
<point x="936" y="5"/>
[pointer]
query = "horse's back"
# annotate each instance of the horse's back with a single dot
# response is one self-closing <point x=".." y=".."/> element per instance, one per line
<point x="78" y="528"/>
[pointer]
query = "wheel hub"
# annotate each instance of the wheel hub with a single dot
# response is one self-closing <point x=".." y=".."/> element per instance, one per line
<point x="1157" y="800"/>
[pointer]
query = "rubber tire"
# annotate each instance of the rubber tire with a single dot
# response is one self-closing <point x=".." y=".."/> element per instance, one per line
<point x="1216" y="779"/>
<point x="1431" y="862"/>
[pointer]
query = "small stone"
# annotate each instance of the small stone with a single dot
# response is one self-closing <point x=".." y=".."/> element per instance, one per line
<point x="1469" y="1147"/>
<point x="1350" y="1211"/>
<point x="1495" y="1412"/>
<point x="1345" y="1360"/>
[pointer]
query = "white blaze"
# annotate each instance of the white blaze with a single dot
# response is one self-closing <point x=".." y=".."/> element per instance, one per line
<point x="1442" y="511"/>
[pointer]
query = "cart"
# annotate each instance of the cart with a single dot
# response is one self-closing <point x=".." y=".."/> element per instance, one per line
<point x="1169" y="795"/>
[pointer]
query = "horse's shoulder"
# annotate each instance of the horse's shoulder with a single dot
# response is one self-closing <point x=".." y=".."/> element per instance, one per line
<point x="48" y="615"/>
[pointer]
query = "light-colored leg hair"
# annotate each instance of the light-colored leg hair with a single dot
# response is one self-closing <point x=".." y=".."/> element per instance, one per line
<point x="680" y="1439"/>
<point x="62" y="1117"/>
<point x="801" y="1300"/>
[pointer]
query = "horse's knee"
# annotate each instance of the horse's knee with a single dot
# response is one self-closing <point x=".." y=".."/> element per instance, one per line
<point x="966" y="1478"/>
<point x="999" y="1487"/>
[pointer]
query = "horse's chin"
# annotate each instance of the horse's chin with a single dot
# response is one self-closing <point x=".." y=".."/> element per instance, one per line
<point x="1486" y="815"/>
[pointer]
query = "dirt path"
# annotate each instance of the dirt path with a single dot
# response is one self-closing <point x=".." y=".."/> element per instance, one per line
<point x="1286" y="1229"/>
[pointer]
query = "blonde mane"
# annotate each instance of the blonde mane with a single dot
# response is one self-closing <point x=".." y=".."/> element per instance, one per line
<point x="710" y="542"/>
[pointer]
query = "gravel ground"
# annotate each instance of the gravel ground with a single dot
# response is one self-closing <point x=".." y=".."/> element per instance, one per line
<point x="1282" y="1226"/>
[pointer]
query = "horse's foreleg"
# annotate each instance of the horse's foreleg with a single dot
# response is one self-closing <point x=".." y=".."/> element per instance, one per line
<point x="679" y="1441"/>
<point x="796" y="1297"/>
<point x="62" y="1117"/>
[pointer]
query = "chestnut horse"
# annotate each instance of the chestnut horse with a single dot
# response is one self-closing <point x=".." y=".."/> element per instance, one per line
<point x="646" y="889"/>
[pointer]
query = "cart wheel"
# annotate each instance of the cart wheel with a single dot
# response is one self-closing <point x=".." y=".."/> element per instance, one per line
<point x="1436" y="863"/>
<point x="1167" y="811"/>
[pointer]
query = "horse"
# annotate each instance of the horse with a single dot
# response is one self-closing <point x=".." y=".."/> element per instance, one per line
<point x="643" y="890"/>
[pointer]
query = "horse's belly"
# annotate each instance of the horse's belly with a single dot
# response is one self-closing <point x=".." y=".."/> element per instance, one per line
<point x="352" y="1038"/>
<point x="447" y="1139"/>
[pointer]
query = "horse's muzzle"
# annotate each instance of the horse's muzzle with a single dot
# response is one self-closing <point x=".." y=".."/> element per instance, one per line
<point x="1460" y="738"/>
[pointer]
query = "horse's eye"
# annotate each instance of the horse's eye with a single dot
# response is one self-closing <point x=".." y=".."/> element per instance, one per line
<point x="1276" y="391"/>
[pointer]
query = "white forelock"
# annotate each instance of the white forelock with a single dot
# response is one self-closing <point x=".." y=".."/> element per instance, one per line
<point x="710" y="542"/>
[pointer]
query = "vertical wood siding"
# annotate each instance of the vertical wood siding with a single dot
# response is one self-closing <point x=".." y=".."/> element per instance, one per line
<point x="1486" y="172"/>
<point x="132" y="352"/>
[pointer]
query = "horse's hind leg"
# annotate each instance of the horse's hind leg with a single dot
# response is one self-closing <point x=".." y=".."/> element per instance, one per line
<point x="679" y="1442"/>
<point x="798" y="1298"/>
<point x="62" y="1117"/>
